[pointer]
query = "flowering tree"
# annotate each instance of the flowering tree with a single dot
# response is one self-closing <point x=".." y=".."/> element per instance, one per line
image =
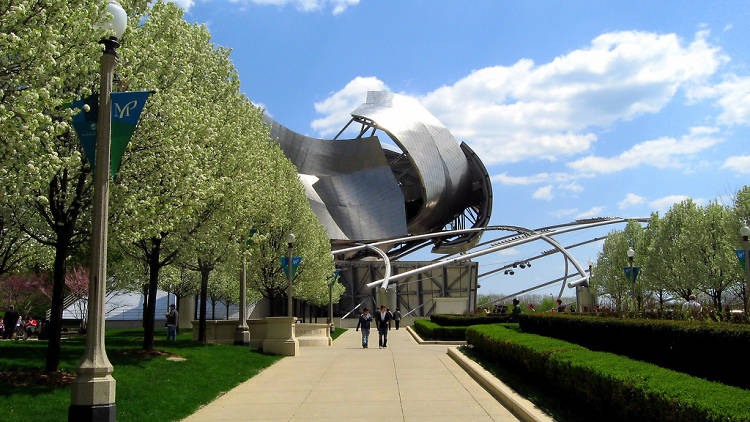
<point x="22" y="290"/>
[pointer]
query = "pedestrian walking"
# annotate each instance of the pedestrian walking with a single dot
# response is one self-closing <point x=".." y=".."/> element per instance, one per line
<point x="397" y="317"/>
<point x="11" y="318"/>
<point x="364" y="323"/>
<point x="383" y="321"/>
<point x="172" y="323"/>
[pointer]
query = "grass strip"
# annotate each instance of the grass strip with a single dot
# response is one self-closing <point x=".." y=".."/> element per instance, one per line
<point x="148" y="387"/>
<point x="613" y="387"/>
<point x="337" y="332"/>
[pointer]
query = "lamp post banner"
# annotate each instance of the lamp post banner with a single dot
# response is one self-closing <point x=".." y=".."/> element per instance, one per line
<point x="741" y="256"/>
<point x="126" y="110"/>
<point x="636" y="270"/>
<point x="295" y="263"/>
<point x="333" y="278"/>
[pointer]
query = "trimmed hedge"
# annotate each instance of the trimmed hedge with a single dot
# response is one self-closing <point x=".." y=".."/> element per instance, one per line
<point x="615" y="387"/>
<point x="712" y="350"/>
<point x="467" y="320"/>
<point x="430" y="330"/>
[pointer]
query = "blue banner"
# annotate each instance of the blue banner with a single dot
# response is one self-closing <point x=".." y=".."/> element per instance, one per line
<point x="296" y="260"/>
<point x="334" y="277"/>
<point x="741" y="256"/>
<point x="126" y="110"/>
<point x="635" y="273"/>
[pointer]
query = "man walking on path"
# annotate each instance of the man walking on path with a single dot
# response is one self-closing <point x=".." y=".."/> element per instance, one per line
<point x="383" y="321"/>
<point x="364" y="322"/>
<point x="397" y="317"/>
<point x="10" y="321"/>
<point x="172" y="323"/>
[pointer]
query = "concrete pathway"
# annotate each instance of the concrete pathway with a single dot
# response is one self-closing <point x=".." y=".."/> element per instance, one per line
<point x="404" y="382"/>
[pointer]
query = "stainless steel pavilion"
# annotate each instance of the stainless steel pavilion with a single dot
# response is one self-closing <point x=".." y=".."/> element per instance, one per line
<point x="361" y="191"/>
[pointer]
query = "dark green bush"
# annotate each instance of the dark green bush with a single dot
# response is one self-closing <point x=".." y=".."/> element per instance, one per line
<point x="711" y="350"/>
<point x="430" y="330"/>
<point x="467" y="320"/>
<point x="615" y="388"/>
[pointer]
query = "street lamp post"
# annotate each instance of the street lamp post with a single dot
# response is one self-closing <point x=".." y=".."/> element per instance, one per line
<point x="631" y="255"/>
<point x="745" y="233"/>
<point x="93" y="391"/>
<point x="242" y="334"/>
<point x="290" y="238"/>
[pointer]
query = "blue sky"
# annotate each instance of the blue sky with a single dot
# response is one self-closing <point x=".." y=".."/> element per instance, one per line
<point x="578" y="109"/>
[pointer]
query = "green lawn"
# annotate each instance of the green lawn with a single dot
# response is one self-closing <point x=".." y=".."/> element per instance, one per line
<point x="148" y="388"/>
<point x="337" y="332"/>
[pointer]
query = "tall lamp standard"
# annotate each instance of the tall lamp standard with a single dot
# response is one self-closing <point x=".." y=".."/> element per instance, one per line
<point x="631" y="255"/>
<point x="290" y="238"/>
<point x="242" y="333"/>
<point x="745" y="233"/>
<point x="93" y="391"/>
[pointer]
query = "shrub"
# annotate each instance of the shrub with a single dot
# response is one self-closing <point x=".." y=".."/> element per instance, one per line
<point x="616" y="388"/>
<point x="467" y="320"/>
<point x="711" y="350"/>
<point x="430" y="330"/>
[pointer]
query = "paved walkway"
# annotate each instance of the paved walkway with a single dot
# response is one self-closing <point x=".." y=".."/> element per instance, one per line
<point x="404" y="382"/>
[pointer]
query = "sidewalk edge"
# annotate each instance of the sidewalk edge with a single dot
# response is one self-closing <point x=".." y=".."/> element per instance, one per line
<point x="518" y="405"/>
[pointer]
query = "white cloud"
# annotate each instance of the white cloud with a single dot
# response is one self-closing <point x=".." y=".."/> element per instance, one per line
<point x="552" y="110"/>
<point x="663" y="204"/>
<point x="509" y="251"/>
<point x="557" y="177"/>
<point x="572" y="186"/>
<point x="564" y="212"/>
<point x="338" y="105"/>
<point x="543" y="193"/>
<point x="662" y="152"/>
<point x="739" y="164"/>
<point x="336" y="6"/>
<point x="593" y="212"/>
<point x="511" y="113"/>
<point x="630" y="200"/>
<point x="185" y="4"/>
<point x="733" y="97"/>
<point x="520" y="180"/>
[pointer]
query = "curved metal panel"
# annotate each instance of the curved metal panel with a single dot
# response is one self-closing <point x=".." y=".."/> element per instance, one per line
<point x="349" y="184"/>
<point x="439" y="161"/>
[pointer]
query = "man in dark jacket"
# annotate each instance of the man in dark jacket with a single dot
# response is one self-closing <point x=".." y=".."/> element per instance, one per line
<point x="10" y="320"/>
<point x="364" y="322"/>
<point x="383" y="322"/>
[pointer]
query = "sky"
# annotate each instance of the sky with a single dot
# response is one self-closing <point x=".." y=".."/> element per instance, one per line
<point x="578" y="109"/>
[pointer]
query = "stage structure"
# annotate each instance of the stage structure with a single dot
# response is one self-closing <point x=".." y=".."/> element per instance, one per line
<point x="401" y="184"/>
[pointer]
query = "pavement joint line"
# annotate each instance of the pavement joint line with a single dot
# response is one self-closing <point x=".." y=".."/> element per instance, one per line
<point x="398" y="385"/>
<point x="521" y="407"/>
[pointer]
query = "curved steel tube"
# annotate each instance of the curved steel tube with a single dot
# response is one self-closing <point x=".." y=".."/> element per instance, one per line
<point x="527" y="239"/>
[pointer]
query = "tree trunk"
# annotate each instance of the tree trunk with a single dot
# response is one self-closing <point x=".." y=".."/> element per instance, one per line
<point x="213" y="309"/>
<point x="204" y="293"/>
<point x="145" y="305"/>
<point x="153" y="282"/>
<point x="58" y="288"/>
<point x="226" y="315"/>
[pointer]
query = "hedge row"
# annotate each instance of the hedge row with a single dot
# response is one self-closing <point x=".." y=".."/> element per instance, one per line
<point x="716" y="351"/>
<point x="615" y="387"/>
<point x="430" y="330"/>
<point x="467" y="320"/>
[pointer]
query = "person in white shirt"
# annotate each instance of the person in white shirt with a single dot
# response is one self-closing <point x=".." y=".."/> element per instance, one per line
<point x="692" y="305"/>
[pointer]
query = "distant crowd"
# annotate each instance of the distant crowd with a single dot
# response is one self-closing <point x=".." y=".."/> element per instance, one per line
<point x="14" y="326"/>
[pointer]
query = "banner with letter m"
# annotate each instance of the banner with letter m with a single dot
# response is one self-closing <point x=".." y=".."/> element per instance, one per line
<point x="126" y="110"/>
